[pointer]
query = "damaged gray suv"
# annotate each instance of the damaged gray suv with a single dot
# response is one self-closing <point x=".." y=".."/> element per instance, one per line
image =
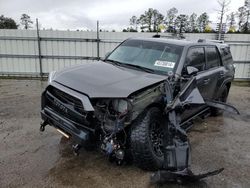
<point x="117" y="104"/>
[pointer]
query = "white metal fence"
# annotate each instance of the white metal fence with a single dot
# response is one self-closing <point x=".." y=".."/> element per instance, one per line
<point x="24" y="53"/>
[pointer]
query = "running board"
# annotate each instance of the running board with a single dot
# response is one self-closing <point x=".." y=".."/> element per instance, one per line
<point x="186" y="125"/>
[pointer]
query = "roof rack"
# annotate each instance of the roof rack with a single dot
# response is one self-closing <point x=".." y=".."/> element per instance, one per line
<point x="214" y="41"/>
<point x="176" y="36"/>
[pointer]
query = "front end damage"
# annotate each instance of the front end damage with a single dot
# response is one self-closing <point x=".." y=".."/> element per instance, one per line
<point x="100" y="122"/>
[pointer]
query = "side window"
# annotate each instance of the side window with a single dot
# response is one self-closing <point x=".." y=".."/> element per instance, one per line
<point x="196" y="58"/>
<point x="213" y="57"/>
<point x="226" y="55"/>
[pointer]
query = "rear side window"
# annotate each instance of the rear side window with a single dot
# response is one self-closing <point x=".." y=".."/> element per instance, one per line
<point x="213" y="57"/>
<point x="226" y="55"/>
<point x="196" y="58"/>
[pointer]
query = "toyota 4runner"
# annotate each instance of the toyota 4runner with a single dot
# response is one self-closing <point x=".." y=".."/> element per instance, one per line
<point x="117" y="104"/>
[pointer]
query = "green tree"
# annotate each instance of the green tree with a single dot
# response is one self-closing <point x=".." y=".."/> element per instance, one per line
<point x="193" y="23"/>
<point x="241" y="17"/>
<point x="246" y="26"/>
<point x="134" y="22"/>
<point x="151" y="19"/>
<point x="146" y="19"/>
<point x="26" y="21"/>
<point x="7" y="23"/>
<point x="171" y="15"/>
<point x="203" y="21"/>
<point x="231" y="22"/>
<point x="143" y="22"/>
<point x="181" y="23"/>
<point x="158" y="19"/>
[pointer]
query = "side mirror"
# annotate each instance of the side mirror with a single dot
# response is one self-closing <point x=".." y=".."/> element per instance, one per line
<point x="191" y="70"/>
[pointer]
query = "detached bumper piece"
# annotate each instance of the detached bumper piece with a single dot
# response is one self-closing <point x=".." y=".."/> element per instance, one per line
<point x="176" y="165"/>
<point x="184" y="176"/>
<point x="65" y="125"/>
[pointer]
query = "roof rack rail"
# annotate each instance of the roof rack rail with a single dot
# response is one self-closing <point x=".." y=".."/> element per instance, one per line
<point x="178" y="37"/>
<point x="207" y="40"/>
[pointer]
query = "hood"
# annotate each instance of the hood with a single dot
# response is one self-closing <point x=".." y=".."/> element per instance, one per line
<point x="104" y="80"/>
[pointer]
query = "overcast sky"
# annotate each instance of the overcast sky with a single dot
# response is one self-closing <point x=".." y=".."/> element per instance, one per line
<point x="112" y="14"/>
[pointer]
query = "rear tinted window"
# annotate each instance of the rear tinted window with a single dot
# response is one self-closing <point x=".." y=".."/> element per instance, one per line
<point x="196" y="58"/>
<point x="226" y="55"/>
<point x="213" y="57"/>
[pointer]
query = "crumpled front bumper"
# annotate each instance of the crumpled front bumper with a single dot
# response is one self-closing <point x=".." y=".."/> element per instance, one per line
<point x="80" y="136"/>
<point x="73" y="124"/>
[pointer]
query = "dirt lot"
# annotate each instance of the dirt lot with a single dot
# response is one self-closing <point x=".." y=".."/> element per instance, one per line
<point x="29" y="158"/>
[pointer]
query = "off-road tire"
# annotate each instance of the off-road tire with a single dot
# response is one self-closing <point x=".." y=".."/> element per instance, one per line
<point x="223" y="98"/>
<point x="141" y="146"/>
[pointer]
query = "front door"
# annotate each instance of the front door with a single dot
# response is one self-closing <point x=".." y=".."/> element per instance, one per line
<point x="196" y="58"/>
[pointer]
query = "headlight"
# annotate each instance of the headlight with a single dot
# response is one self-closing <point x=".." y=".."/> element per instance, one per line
<point x="120" y="105"/>
<point x="51" y="76"/>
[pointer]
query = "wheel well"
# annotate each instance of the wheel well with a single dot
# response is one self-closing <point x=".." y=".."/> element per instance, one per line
<point x="228" y="85"/>
<point x="155" y="104"/>
<point x="158" y="105"/>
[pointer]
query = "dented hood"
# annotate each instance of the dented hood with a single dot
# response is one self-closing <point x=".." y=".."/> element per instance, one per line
<point x="104" y="80"/>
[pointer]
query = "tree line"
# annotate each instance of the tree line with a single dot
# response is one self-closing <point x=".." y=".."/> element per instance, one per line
<point x="9" y="23"/>
<point x="154" y="21"/>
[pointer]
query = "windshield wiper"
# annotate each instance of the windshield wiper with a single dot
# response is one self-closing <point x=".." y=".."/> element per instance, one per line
<point x="130" y="65"/>
<point x="114" y="62"/>
<point x="140" y="67"/>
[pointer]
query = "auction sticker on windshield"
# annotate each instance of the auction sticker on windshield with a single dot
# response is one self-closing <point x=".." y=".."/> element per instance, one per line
<point x="167" y="64"/>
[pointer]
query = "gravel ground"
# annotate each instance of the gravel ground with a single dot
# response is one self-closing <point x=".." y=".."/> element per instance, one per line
<point x="29" y="158"/>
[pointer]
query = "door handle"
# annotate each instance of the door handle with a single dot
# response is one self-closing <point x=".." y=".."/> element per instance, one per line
<point x="206" y="81"/>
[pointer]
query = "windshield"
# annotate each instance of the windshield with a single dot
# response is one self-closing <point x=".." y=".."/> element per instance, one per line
<point x="157" y="56"/>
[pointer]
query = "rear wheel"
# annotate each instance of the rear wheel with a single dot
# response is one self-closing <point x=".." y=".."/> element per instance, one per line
<point x="147" y="140"/>
<point x="222" y="98"/>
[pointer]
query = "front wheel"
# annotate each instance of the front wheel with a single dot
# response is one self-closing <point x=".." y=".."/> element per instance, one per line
<point x="147" y="140"/>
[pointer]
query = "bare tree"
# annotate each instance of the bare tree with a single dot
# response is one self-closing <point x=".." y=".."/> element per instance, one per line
<point x="223" y="9"/>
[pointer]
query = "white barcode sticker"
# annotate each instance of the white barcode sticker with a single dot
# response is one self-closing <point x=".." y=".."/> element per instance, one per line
<point x="167" y="64"/>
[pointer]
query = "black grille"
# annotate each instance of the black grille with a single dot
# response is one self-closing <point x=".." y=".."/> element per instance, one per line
<point x="66" y="105"/>
<point x="68" y="99"/>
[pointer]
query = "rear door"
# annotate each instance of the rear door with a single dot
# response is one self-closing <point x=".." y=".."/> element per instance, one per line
<point x="213" y="71"/>
<point x="207" y="60"/>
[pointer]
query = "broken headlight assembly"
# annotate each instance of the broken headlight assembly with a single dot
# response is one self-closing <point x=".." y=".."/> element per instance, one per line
<point x="113" y="107"/>
<point x="120" y="106"/>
